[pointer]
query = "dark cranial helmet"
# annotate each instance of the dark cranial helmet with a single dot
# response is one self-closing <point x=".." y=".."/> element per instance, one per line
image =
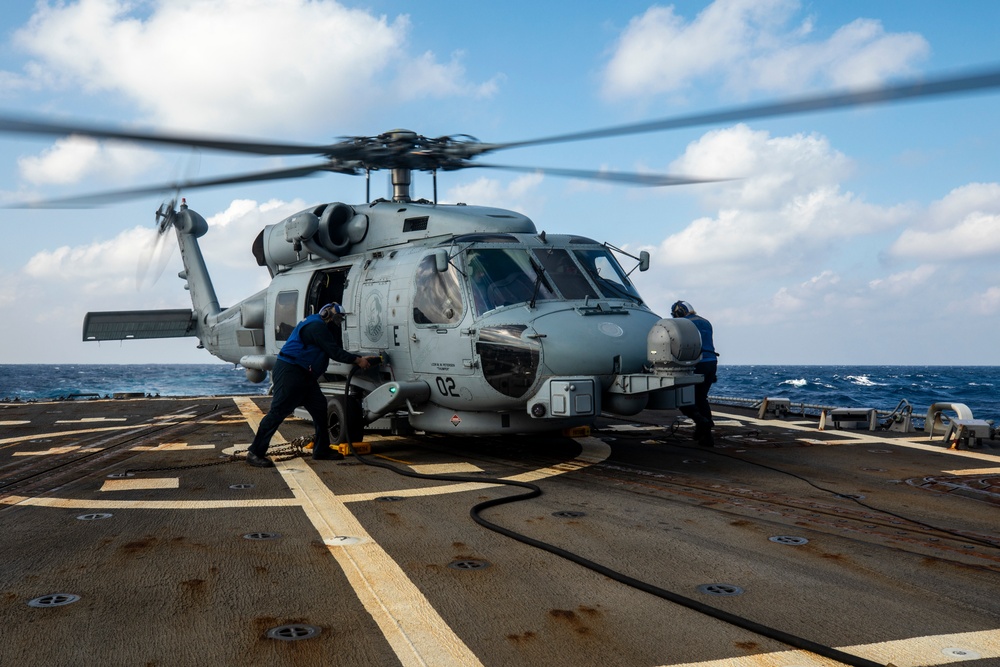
<point x="331" y="311"/>
<point x="681" y="309"/>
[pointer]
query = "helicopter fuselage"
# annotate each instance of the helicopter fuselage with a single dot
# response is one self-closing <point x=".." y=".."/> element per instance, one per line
<point x="484" y="324"/>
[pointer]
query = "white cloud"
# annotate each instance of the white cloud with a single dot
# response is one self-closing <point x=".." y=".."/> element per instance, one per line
<point x="75" y="158"/>
<point x="809" y="295"/>
<point x="903" y="283"/>
<point x="128" y="266"/>
<point x="788" y="205"/>
<point x="423" y="76"/>
<point x="231" y="232"/>
<point x="105" y="267"/>
<point x="294" y="65"/>
<point x="858" y="54"/>
<point x="963" y="225"/>
<point x="520" y="194"/>
<point x="767" y="169"/>
<point x="749" y="45"/>
<point x="989" y="301"/>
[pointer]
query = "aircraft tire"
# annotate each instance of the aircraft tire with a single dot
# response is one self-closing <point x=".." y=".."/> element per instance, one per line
<point x="340" y="417"/>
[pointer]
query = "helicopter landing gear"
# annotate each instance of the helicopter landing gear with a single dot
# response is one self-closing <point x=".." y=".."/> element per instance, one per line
<point x="345" y="419"/>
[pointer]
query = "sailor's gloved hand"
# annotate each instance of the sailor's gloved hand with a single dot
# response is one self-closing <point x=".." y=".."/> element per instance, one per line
<point x="365" y="363"/>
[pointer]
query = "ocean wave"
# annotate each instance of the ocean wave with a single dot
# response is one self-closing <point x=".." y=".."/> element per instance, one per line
<point x="801" y="382"/>
<point x="864" y="381"/>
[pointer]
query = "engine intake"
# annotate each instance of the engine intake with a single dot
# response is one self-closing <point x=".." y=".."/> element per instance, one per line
<point x="326" y="231"/>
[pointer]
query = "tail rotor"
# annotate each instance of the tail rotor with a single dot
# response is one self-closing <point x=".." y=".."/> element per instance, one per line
<point x="155" y="255"/>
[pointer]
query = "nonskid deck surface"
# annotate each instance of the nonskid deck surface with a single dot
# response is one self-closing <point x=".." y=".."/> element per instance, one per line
<point x="131" y="538"/>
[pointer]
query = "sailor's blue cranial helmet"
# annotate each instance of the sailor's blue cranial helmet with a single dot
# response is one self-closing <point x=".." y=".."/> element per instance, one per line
<point x="681" y="309"/>
<point x="331" y="311"/>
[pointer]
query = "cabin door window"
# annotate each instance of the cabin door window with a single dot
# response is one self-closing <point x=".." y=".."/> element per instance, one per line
<point x="285" y="314"/>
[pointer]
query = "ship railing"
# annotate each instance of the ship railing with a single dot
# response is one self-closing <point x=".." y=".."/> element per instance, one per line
<point x="802" y="408"/>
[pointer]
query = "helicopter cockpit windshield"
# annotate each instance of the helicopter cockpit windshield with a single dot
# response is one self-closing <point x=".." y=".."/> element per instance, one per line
<point x="508" y="276"/>
<point x="606" y="273"/>
<point x="504" y="277"/>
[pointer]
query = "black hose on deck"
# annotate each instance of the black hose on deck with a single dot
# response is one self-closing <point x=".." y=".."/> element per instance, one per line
<point x="534" y="491"/>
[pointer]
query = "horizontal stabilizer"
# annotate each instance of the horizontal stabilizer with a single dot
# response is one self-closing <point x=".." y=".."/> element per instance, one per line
<point x="134" y="324"/>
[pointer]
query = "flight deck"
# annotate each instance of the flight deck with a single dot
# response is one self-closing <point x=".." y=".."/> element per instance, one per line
<point x="135" y="535"/>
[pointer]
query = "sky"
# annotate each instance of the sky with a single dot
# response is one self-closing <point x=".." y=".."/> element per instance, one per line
<point x="860" y="237"/>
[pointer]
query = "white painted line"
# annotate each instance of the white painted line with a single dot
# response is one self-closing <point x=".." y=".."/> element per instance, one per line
<point x="413" y="628"/>
<point x="50" y="452"/>
<point x="90" y="420"/>
<point x="866" y="437"/>
<point x="634" y="427"/>
<point x="444" y="468"/>
<point x="826" y="443"/>
<point x="14" y="422"/>
<point x="141" y="484"/>
<point x="928" y="651"/>
<point x="170" y="447"/>
<point x="59" y="434"/>
<point x="974" y="471"/>
<point x="86" y="503"/>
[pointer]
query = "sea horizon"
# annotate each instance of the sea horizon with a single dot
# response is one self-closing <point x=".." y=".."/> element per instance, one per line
<point x="878" y="386"/>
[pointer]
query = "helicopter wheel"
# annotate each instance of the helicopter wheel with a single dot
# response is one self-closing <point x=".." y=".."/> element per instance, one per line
<point x="341" y="418"/>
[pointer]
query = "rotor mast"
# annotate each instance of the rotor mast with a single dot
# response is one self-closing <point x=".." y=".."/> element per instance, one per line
<point x="401" y="142"/>
<point x="401" y="184"/>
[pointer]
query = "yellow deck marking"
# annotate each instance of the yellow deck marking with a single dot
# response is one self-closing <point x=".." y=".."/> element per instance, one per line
<point x="926" y="651"/>
<point x="593" y="450"/>
<point x="90" y="420"/>
<point x="389" y="458"/>
<point x="141" y="484"/>
<point x="444" y="468"/>
<point x="50" y="452"/>
<point x="974" y="471"/>
<point x="84" y="503"/>
<point x="417" y="492"/>
<point x="867" y="437"/>
<point x="415" y="631"/>
<point x="14" y="422"/>
<point x="170" y="447"/>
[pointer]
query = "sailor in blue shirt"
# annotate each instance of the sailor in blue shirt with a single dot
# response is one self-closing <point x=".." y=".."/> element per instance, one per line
<point x="295" y="377"/>
<point x="701" y="412"/>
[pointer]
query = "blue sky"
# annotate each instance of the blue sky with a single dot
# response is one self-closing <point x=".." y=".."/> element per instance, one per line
<point x="868" y="236"/>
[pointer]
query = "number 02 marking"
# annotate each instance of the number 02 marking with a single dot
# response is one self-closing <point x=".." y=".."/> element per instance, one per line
<point x="446" y="385"/>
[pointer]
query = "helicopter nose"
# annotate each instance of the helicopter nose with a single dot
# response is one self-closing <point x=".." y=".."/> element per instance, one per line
<point x="574" y="343"/>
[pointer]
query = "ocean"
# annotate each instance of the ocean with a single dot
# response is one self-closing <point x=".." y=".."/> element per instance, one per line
<point x="879" y="387"/>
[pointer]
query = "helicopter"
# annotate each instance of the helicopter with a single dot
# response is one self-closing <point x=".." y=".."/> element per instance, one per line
<point x="485" y="325"/>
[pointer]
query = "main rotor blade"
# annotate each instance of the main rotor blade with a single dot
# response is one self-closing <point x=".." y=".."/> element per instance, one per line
<point x="880" y="95"/>
<point x="15" y="125"/>
<point x="131" y="193"/>
<point x="629" y="178"/>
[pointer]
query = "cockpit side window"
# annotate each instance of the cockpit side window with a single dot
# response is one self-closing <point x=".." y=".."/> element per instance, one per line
<point x="503" y="277"/>
<point x="609" y="277"/>
<point x="437" y="297"/>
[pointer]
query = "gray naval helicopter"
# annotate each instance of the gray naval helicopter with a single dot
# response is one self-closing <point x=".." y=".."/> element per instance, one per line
<point x="485" y="324"/>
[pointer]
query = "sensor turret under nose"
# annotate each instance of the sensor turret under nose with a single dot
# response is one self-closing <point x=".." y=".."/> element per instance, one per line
<point x="673" y="345"/>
